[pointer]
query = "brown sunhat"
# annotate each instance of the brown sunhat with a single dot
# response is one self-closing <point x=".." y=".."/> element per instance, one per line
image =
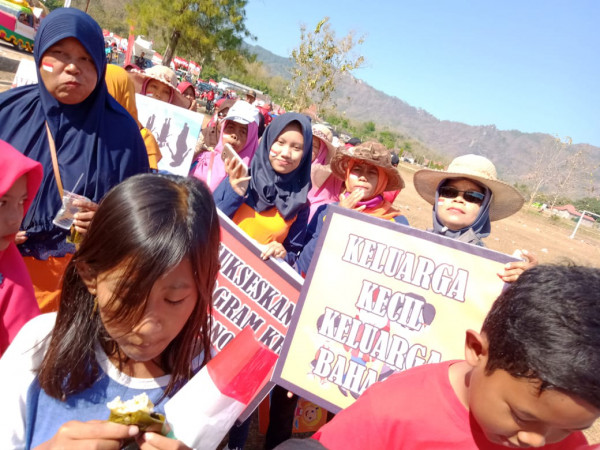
<point x="506" y="200"/>
<point x="324" y="134"/>
<point x="166" y="76"/>
<point x="373" y="153"/>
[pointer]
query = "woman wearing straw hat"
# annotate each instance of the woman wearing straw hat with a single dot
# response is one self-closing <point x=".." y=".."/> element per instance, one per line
<point x="466" y="198"/>
<point x="159" y="82"/>
<point x="366" y="171"/>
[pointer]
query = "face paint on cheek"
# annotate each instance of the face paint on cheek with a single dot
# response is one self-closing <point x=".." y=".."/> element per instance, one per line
<point x="272" y="153"/>
<point x="47" y="67"/>
<point x="353" y="176"/>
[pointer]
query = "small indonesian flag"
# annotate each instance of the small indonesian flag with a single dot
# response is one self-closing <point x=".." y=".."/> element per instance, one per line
<point x="47" y="67"/>
<point x="203" y="411"/>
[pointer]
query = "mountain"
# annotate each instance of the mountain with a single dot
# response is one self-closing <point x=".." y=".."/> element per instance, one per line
<point x="513" y="152"/>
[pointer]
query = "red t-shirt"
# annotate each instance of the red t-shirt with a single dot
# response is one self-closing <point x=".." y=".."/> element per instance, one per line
<point x="413" y="410"/>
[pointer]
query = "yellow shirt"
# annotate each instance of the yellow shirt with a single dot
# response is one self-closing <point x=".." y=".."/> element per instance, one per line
<point x="264" y="227"/>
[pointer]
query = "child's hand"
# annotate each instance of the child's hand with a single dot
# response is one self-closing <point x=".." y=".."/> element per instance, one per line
<point x="350" y="200"/>
<point x="513" y="270"/>
<point x="235" y="171"/>
<point x="92" y="434"/>
<point x="87" y="209"/>
<point x="154" y="441"/>
<point x="273" y="249"/>
<point x="20" y="237"/>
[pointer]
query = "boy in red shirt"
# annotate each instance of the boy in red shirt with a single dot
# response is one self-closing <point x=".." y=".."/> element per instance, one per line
<point x="529" y="379"/>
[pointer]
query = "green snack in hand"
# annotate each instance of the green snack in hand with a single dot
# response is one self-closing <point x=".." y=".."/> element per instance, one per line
<point x="137" y="411"/>
<point x="145" y="422"/>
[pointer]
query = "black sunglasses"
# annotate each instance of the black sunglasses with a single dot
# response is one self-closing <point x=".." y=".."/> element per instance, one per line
<point x="469" y="196"/>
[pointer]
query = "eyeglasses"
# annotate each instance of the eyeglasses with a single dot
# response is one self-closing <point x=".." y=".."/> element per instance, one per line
<point x="469" y="196"/>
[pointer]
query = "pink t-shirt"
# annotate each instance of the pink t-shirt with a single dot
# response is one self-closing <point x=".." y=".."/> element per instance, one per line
<point x="413" y="410"/>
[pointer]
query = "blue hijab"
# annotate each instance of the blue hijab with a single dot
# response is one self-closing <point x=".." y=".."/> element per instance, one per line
<point x="267" y="188"/>
<point x="96" y="138"/>
<point x="481" y="227"/>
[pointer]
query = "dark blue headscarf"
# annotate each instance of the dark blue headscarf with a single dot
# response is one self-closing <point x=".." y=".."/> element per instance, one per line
<point x="267" y="188"/>
<point x="96" y="138"/>
<point x="481" y="226"/>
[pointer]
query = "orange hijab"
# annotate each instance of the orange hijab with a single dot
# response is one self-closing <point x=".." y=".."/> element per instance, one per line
<point x="375" y="206"/>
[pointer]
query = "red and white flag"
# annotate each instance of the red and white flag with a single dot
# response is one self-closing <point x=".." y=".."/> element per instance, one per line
<point x="203" y="411"/>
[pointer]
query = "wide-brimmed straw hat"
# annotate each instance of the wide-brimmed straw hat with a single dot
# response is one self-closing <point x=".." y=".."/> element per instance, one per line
<point x="506" y="200"/>
<point x="166" y="76"/>
<point x="325" y="135"/>
<point x="372" y="153"/>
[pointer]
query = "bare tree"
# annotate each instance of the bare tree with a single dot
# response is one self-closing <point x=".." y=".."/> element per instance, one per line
<point x="574" y="165"/>
<point x="319" y="61"/>
<point x="547" y="166"/>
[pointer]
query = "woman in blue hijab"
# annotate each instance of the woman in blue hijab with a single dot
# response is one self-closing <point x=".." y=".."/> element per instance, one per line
<point x="272" y="205"/>
<point x="96" y="140"/>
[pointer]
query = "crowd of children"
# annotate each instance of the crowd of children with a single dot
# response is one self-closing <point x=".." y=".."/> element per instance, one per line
<point x="135" y="294"/>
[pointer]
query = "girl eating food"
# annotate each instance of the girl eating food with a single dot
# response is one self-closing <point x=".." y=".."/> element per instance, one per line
<point x="134" y="317"/>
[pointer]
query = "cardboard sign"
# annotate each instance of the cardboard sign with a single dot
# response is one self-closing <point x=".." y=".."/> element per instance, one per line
<point x="252" y="293"/>
<point x="381" y="297"/>
<point x="176" y="130"/>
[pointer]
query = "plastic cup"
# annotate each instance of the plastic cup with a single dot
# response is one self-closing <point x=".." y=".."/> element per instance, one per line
<point x="66" y="214"/>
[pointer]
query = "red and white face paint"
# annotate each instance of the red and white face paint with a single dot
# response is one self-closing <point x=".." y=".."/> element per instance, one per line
<point x="68" y="71"/>
<point x="286" y="152"/>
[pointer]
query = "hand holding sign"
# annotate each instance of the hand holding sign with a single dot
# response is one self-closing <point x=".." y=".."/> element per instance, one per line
<point x="273" y="249"/>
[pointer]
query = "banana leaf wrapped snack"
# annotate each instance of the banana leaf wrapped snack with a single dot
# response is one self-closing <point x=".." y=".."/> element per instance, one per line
<point x="137" y="411"/>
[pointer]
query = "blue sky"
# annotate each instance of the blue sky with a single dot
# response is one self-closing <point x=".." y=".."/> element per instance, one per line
<point x="529" y="65"/>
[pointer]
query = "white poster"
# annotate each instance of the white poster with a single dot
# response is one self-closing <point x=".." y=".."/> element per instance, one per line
<point x="25" y="74"/>
<point x="176" y="130"/>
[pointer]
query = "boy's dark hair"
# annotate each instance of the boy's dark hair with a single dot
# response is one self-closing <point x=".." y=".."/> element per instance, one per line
<point x="148" y="223"/>
<point x="546" y="326"/>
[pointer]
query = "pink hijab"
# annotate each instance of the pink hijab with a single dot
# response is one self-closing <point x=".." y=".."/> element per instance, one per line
<point x="17" y="299"/>
<point x="210" y="167"/>
<point x="322" y="193"/>
<point x="323" y="153"/>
